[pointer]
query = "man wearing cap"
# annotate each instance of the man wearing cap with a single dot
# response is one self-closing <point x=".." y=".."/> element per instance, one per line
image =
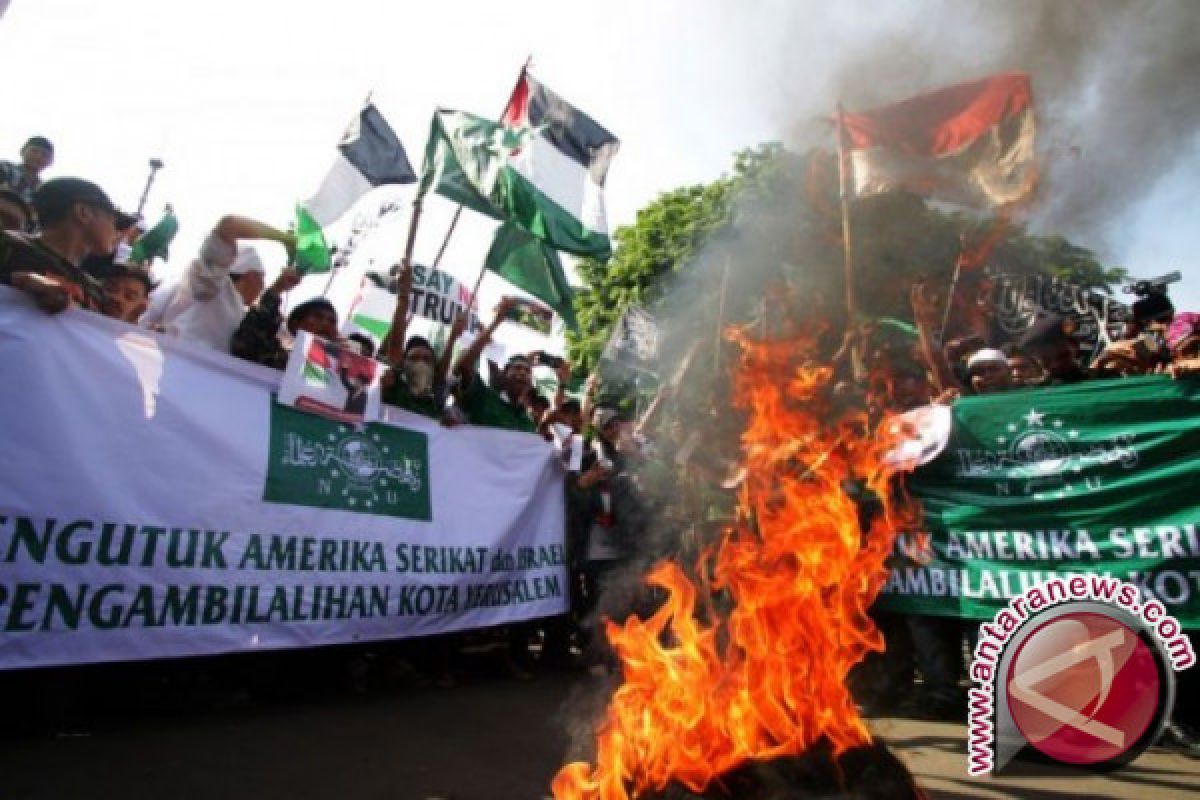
<point x="223" y="280"/>
<point x="25" y="178"/>
<point x="484" y="405"/>
<point x="257" y="336"/>
<point x="412" y="386"/>
<point x="417" y="380"/>
<point x="78" y="220"/>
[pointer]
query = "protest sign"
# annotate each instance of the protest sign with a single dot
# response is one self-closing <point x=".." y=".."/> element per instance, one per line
<point x="158" y="502"/>
<point x="436" y="296"/>
<point x="330" y="379"/>
<point x="1096" y="477"/>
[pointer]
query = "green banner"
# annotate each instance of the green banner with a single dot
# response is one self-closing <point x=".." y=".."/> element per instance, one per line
<point x="380" y="469"/>
<point x="1099" y="477"/>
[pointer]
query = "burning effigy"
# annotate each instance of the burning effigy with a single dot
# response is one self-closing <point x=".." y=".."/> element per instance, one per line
<point x="736" y="685"/>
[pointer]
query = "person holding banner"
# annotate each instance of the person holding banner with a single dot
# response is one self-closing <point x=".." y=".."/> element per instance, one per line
<point x="257" y="337"/>
<point x="78" y="220"/>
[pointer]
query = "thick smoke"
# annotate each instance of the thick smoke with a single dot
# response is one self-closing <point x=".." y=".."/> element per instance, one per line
<point x="1118" y="108"/>
<point x="1115" y="84"/>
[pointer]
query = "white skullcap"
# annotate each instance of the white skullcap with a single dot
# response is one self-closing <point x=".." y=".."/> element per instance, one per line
<point x="988" y="355"/>
<point x="247" y="260"/>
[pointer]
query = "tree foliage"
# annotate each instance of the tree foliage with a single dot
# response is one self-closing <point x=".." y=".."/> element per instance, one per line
<point x="771" y="230"/>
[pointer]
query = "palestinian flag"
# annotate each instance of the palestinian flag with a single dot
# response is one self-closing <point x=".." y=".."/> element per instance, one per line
<point x="369" y="155"/>
<point x="372" y="312"/>
<point x="969" y="144"/>
<point x="542" y="167"/>
<point x="318" y="368"/>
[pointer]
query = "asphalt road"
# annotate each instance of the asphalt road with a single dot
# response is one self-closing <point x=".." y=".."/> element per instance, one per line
<point x="490" y="738"/>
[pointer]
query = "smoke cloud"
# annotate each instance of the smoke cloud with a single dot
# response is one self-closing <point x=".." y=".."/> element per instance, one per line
<point x="1114" y="81"/>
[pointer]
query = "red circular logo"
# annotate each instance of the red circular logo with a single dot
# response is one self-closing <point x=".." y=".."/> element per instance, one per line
<point x="1083" y="688"/>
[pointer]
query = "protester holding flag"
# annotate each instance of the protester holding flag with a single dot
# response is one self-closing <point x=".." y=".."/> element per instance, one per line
<point x="211" y="298"/>
<point x="485" y="405"/>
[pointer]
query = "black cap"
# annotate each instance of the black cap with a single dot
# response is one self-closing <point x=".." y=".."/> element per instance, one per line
<point x="519" y="358"/>
<point x="1153" y="308"/>
<point x="302" y="310"/>
<point x="417" y="341"/>
<point x="130" y="271"/>
<point x="55" y="198"/>
<point x="40" y="141"/>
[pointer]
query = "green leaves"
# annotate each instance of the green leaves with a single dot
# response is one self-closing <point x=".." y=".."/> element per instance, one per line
<point x="776" y="218"/>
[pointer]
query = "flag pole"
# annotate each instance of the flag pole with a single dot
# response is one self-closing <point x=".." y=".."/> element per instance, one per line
<point x="155" y="165"/>
<point x="458" y="211"/>
<point x="848" y="249"/>
<point x="334" y="270"/>
<point x="721" y="314"/>
<point x="958" y="262"/>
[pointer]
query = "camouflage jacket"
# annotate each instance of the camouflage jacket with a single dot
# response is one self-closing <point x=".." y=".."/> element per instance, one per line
<point x="257" y="337"/>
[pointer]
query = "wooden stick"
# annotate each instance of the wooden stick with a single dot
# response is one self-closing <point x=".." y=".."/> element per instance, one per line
<point x="721" y="314"/>
<point x="848" y="249"/>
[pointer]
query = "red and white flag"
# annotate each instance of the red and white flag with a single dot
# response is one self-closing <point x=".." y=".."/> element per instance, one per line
<point x="970" y="144"/>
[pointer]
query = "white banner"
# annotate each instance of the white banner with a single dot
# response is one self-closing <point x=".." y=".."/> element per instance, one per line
<point x="155" y="501"/>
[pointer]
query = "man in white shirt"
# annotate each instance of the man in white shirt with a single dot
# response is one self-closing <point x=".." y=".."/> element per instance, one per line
<point x="221" y="282"/>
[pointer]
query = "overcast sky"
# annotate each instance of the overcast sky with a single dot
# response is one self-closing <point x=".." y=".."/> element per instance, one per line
<point x="244" y="101"/>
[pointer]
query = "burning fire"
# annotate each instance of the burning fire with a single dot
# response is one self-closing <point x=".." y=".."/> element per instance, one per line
<point x="705" y="691"/>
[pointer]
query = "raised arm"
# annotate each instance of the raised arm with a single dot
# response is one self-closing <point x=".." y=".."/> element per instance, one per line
<point x="398" y="332"/>
<point x="456" y="331"/>
<point x="466" y="365"/>
<point x="233" y="228"/>
<point x="926" y="318"/>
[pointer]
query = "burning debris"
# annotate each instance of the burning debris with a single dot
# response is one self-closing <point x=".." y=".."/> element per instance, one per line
<point x="736" y="685"/>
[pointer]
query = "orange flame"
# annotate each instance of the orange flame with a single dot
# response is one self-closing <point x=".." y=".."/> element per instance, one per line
<point x="703" y="692"/>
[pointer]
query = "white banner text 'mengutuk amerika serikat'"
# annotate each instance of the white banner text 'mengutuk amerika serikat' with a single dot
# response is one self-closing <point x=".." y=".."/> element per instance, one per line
<point x="156" y="502"/>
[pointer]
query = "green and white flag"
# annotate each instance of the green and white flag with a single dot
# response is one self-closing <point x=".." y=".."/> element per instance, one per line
<point x="514" y="172"/>
<point x="1097" y="477"/>
<point x="312" y="250"/>
<point x="528" y="263"/>
<point x="369" y="155"/>
<point x="154" y="243"/>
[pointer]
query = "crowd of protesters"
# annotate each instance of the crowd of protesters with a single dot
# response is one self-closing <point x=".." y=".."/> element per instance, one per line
<point x="65" y="243"/>
<point x="982" y="358"/>
<point x="57" y="245"/>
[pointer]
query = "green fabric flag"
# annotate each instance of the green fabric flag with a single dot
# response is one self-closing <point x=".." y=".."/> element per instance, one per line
<point x="487" y="167"/>
<point x="153" y="243"/>
<point x="527" y="263"/>
<point x="1096" y="477"/>
<point x="312" y="251"/>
